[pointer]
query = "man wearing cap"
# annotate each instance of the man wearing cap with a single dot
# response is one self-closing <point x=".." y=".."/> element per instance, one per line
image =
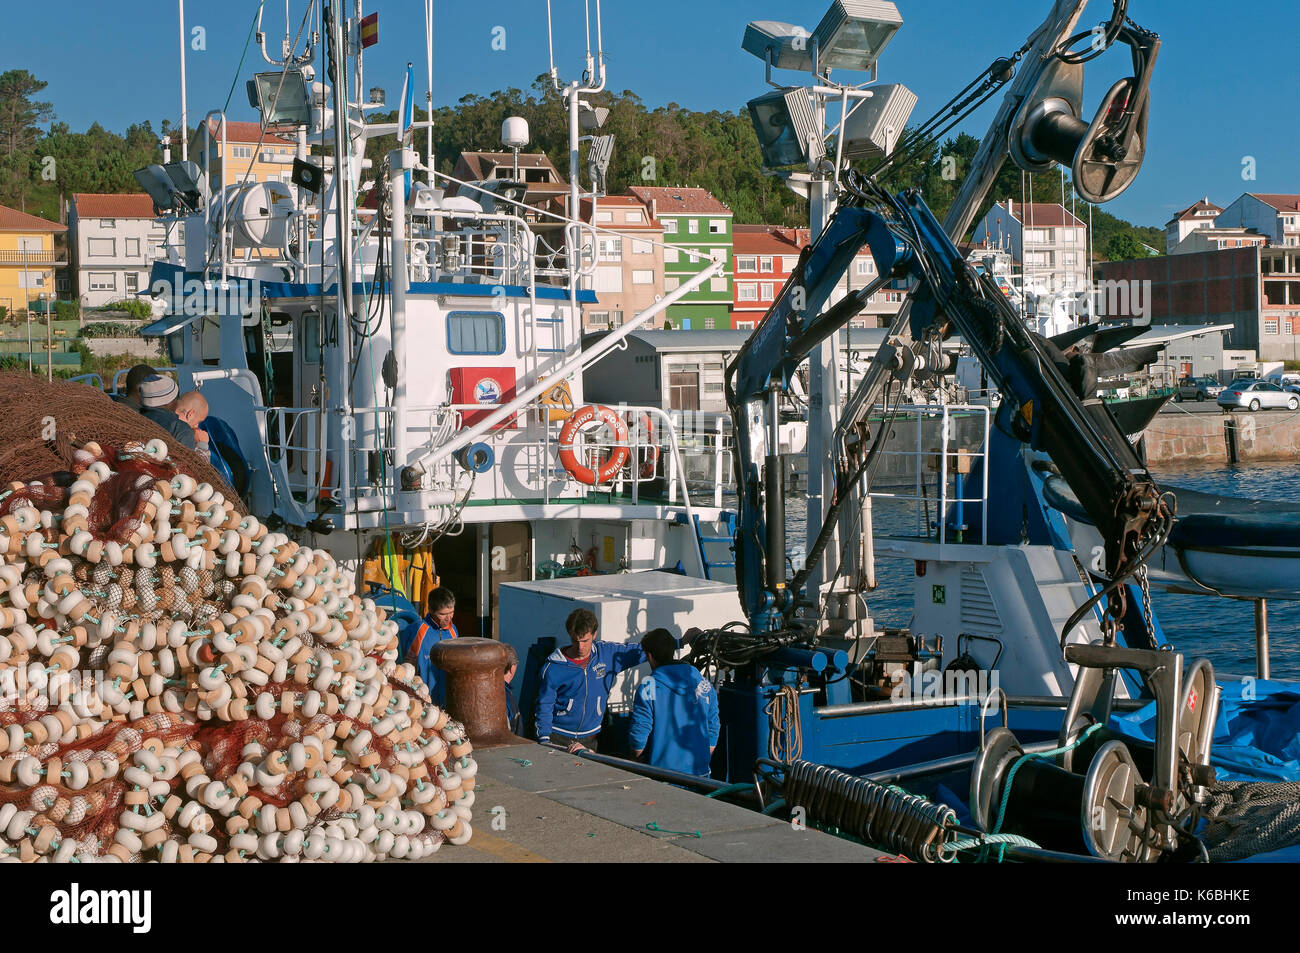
<point x="180" y="415"/>
<point x="136" y="376"/>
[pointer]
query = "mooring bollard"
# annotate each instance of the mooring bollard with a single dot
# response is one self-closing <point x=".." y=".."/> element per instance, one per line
<point x="476" y="691"/>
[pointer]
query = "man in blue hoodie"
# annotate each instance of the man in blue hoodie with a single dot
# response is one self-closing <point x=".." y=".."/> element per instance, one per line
<point x="576" y="681"/>
<point x="675" y="715"/>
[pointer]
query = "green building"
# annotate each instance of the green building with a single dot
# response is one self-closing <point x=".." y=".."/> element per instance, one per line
<point x="693" y="221"/>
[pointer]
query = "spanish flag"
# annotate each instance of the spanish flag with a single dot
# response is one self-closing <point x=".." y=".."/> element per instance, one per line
<point x="369" y="30"/>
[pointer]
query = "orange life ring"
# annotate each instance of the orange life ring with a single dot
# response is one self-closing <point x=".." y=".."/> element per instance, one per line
<point x="613" y="463"/>
<point x="649" y="449"/>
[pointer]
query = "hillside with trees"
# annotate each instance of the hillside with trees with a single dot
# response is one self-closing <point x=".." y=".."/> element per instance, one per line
<point x="662" y="145"/>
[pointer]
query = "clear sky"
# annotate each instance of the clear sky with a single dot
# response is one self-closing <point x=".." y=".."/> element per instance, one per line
<point x="1225" y="88"/>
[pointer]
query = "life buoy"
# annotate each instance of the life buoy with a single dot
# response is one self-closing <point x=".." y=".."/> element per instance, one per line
<point x="617" y="457"/>
<point x="649" y="449"/>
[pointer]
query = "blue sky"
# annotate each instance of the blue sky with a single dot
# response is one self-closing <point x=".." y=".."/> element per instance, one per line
<point x="1223" y="89"/>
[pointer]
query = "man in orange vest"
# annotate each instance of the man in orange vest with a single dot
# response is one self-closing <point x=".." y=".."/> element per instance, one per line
<point x="436" y="627"/>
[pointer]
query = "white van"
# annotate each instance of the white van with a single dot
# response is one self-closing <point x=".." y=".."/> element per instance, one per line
<point x="1285" y="379"/>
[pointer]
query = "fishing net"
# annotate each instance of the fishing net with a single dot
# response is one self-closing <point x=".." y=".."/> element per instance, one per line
<point x="42" y="423"/>
<point x="1251" y="817"/>
<point x="179" y="683"/>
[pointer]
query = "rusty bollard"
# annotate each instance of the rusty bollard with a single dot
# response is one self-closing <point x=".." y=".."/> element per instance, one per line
<point x="476" y="690"/>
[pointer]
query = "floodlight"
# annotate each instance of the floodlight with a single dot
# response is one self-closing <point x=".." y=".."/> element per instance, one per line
<point x="598" y="159"/>
<point x="853" y="33"/>
<point x="787" y="127"/>
<point x="155" y="181"/>
<point x="789" y="46"/>
<point x="874" y="127"/>
<point x="591" y="118"/>
<point x="281" y="97"/>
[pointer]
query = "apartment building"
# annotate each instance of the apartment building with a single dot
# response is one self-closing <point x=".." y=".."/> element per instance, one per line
<point x="629" y="260"/>
<point x="697" y="229"/>
<point x="1194" y="218"/>
<point x="249" y="154"/>
<point x="113" y="241"/>
<point x="766" y="255"/>
<point x="1275" y="216"/>
<point x="1048" y="242"/>
<point x="546" y="194"/>
<point x="28" y="258"/>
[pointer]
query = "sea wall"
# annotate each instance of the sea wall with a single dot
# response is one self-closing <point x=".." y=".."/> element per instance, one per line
<point x="1218" y="438"/>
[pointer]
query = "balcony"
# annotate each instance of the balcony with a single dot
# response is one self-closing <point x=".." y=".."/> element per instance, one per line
<point x="10" y="256"/>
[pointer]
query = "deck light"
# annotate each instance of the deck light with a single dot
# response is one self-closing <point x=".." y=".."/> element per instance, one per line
<point x="788" y="46"/>
<point x="281" y="97"/>
<point x="787" y="127"/>
<point x="853" y="33"/>
<point x="873" y="128"/>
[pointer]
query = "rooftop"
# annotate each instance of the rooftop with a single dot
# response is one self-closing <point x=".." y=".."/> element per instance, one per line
<point x="1193" y="211"/>
<point x="246" y="132"/>
<point x="769" y="240"/>
<point x="1041" y="214"/>
<point x="106" y="205"/>
<point x="12" y="220"/>
<point x="621" y="201"/>
<point x="680" y="201"/>
<point x="1279" y="201"/>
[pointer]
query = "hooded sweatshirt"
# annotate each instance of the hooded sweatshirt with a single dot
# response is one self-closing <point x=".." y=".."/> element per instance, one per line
<point x="676" y="712"/>
<point x="573" y="697"/>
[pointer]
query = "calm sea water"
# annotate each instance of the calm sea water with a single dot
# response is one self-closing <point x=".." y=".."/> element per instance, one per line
<point x="1221" y="629"/>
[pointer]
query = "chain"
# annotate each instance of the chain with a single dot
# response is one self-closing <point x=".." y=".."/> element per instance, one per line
<point x="1146" y="602"/>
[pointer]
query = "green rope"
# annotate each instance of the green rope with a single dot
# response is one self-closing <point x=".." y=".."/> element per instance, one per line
<point x="731" y="789"/>
<point x="654" y="826"/>
<point x="240" y="68"/>
<point x="1036" y="756"/>
<point x="984" y="841"/>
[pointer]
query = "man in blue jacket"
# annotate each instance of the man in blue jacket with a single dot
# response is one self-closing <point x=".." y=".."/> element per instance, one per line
<point x="575" y="683"/>
<point x="436" y="627"/>
<point x="675" y="716"/>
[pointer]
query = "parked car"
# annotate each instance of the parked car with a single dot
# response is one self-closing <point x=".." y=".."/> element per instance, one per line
<point x="1257" y="395"/>
<point x="1198" y="388"/>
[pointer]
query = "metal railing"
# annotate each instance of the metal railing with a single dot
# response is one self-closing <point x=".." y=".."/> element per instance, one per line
<point x="527" y="466"/>
<point x="944" y="461"/>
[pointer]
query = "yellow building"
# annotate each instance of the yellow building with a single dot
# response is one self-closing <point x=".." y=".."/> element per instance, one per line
<point x="27" y="258"/>
<point x="263" y="157"/>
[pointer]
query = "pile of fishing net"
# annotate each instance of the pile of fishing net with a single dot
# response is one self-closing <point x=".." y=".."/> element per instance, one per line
<point x="179" y="683"/>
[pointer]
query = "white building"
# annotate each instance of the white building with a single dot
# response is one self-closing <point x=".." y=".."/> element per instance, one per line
<point x="112" y="242"/>
<point x="1276" y="217"/>
<point x="1049" y="243"/>
<point x="1191" y="219"/>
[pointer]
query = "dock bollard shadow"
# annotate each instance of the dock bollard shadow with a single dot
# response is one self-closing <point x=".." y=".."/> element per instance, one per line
<point x="476" y="690"/>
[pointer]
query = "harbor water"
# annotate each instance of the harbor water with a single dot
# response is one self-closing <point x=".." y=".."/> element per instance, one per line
<point x="1222" y="630"/>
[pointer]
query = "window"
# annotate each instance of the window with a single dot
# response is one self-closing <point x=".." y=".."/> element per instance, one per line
<point x="792" y="261"/>
<point x="611" y="249"/>
<point x="670" y="226"/>
<point x="708" y="324"/>
<point x="609" y="279"/>
<point x="1289" y="326"/>
<point x="473" y="332"/>
<point x="101" y="247"/>
<point x="866" y="266"/>
<point x="746" y="263"/>
<point x="103" y="281"/>
<point x="634" y="217"/>
<point x="672" y="283"/>
<point x="133" y="247"/>
<point x="765" y="263"/>
<point x="616" y="319"/>
<point x="718" y="254"/>
<point x="643" y="277"/>
<point x="132" y="282"/>
<point x="717" y="226"/>
<point x="767" y="290"/>
<point x="63" y="284"/>
<point x="693" y="226"/>
<point x="641" y="247"/>
<point x="746" y="291"/>
<point x="604" y="216"/>
<point x="1035" y="235"/>
<point x="718" y="284"/>
<point x="241" y="152"/>
<point x="1270" y="325"/>
<point x="598" y="319"/>
<point x="108" y="223"/>
<point x="670" y="256"/>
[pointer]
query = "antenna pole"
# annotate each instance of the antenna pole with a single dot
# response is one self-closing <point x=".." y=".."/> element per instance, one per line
<point x="185" y="129"/>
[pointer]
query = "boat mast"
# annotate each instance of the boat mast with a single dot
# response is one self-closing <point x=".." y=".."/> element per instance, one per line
<point x="185" y="134"/>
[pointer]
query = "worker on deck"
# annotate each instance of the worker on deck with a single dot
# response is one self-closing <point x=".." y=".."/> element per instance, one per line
<point x="436" y="627"/>
<point x="135" y="377"/>
<point x="181" y="415"/>
<point x="675" y="714"/>
<point x="512" y="706"/>
<point x="575" y="684"/>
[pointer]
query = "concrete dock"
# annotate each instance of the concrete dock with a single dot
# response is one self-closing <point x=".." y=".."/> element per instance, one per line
<point x="534" y="804"/>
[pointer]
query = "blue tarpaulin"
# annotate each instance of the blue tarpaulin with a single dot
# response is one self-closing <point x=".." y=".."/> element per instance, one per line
<point x="1257" y="734"/>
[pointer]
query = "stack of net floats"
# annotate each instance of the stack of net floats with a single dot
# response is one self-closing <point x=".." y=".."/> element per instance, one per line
<point x="178" y="683"/>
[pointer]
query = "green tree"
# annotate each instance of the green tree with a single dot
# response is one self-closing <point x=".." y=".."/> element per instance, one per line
<point x="20" y="115"/>
<point x="1125" y="246"/>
